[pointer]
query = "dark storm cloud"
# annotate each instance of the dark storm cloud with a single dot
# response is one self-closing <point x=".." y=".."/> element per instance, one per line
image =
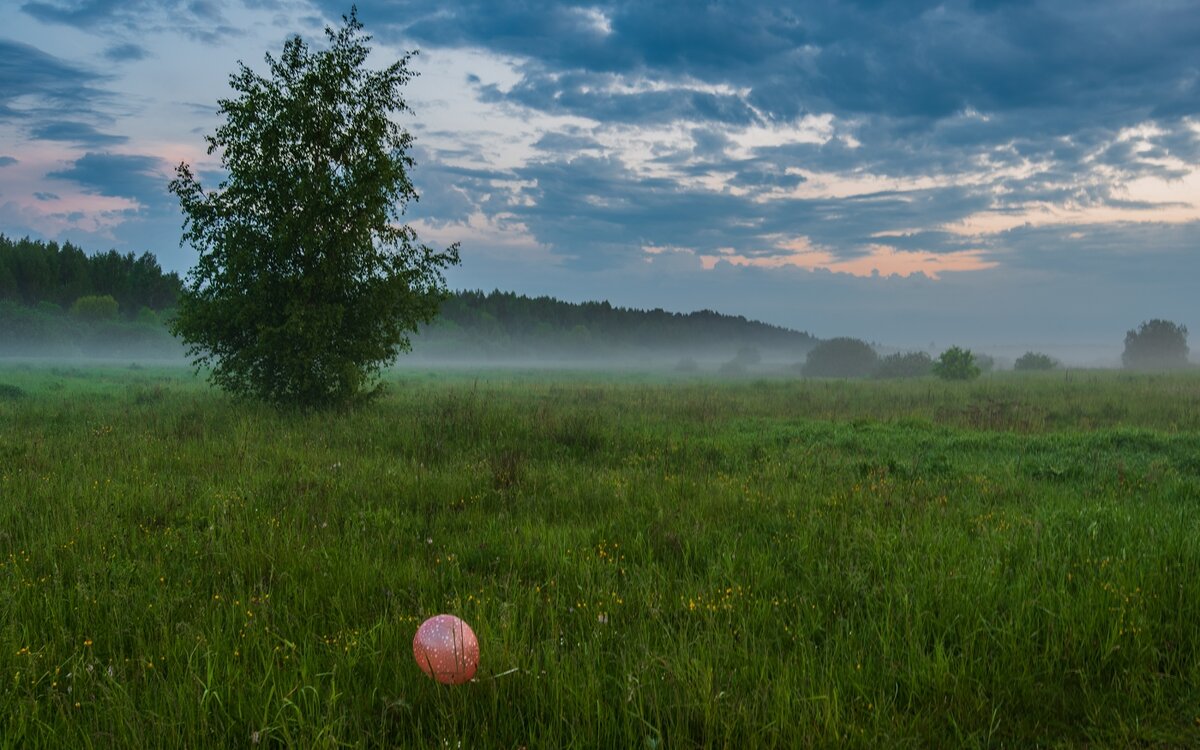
<point x="78" y="133"/>
<point x="121" y="175"/>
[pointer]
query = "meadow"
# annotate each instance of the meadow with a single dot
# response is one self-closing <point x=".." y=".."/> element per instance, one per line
<point x="648" y="562"/>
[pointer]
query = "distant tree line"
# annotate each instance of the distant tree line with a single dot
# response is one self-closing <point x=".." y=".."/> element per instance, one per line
<point x="59" y="297"/>
<point x="503" y="324"/>
<point x="33" y="272"/>
<point x="55" y="300"/>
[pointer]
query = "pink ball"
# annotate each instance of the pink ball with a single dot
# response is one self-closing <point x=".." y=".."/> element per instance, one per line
<point x="446" y="649"/>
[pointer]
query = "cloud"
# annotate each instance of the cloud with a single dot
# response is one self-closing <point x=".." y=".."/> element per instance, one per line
<point x="141" y="178"/>
<point x="28" y="72"/>
<point x="126" y="52"/>
<point x="921" y="59"/>
<point x="8" y="161"/>
<point x="201" y="19"/>
<point x="46" y="196"/>
<point x="79" y="133"/>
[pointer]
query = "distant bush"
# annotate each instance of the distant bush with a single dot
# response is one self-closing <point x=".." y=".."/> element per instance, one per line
<point x="1156" y="345"/>
<point x="956" y="364"/>
<point x="985" y="362"/>
<point x="95" y="307"/>
<point x="1031" y="361"/>
<point x="905" y="365"/>
<point x="10" y="392"/>
<point x="148" y="317"/>
<point x="841" y="358"/>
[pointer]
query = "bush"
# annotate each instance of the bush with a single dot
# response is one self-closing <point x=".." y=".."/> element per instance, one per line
<point x="148" y="317"/>
<point x="1031" y="361"/>
<point x="95" y="307"/>
<point x="956" y="364"/>
<point x="841" y="358"/>
<point x="905" y="365"/>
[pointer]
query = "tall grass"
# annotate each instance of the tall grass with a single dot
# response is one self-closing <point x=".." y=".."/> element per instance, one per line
<point x="647" y="562"/>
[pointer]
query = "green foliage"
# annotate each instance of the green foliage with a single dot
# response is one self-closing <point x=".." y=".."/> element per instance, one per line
<point x="904" y="365"/>
<point x="1156" y="345"/>
<point x="44" y="331"/>
<point x="841" y="358"/>
<point x="148" y="317"/>
<point x="34" y="272"/>
<point x="501" y="325"/>
<point x="95" y="307"/>
<point x="1030" y="361"/>
<point x="956" y="364"/>
<point x="307" y="284"/>
<point x="646" y="563"/>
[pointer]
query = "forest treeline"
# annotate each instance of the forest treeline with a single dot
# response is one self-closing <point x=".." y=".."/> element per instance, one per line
<point x="504" y="325"/>
<point x="58" y="300"/>
<point x="34" y="272"/>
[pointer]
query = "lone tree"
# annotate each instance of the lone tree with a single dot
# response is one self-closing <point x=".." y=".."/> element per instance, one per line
<point x="1156" y="345"/>
<point x="307" y="283"/>
<point x="956" y="364"/>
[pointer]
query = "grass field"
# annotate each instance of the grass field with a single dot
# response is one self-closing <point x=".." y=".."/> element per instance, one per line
<point x="647" y="562"/>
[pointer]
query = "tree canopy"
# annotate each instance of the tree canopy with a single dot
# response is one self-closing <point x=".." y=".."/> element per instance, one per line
<point x="956" y="363"/>
<point x="1156" y="345"/>
<point x="307" y="282"/>
<point x="32" y="272"/>
<point x="841" y="358"/>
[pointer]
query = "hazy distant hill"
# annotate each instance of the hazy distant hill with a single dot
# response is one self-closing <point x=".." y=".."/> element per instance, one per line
<point x="503" y="325"/>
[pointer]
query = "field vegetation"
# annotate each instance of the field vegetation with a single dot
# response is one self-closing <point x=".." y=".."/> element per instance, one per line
<point x="648" y="561"/>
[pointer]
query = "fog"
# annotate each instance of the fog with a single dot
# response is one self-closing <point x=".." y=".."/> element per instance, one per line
<point x="729" y="358"/>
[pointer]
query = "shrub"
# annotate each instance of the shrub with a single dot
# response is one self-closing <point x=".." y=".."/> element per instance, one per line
<point x="1030" y="361"/>
<point x="905" y="365"/>
<point x="841" y="358"/>
<point x="95" y="307"/>
<point x="956" y="364"/>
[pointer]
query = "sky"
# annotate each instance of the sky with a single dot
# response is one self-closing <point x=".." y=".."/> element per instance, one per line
<point x="1000" y="175"/>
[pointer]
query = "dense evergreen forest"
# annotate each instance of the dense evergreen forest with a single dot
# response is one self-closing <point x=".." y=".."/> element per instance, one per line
<point x="56" y="300"/>
<point x="33" y="272"/>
